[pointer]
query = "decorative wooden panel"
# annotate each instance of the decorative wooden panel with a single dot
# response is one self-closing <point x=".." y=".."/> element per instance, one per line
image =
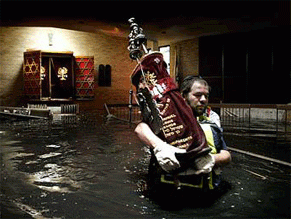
<point x="48" y="75"/>
<point x="31" y="74"/>
<point x="84" y="69"/>
<point x="52" y="76"/>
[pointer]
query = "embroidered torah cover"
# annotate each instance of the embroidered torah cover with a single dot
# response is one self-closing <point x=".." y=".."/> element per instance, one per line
<point x="179" y="126"/>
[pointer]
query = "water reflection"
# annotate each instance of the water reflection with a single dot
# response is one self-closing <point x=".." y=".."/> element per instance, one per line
<point x="51" y="158"/>
<point x="91" y="168"/>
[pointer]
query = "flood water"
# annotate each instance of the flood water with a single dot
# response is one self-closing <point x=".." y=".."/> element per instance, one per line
<point x="92" y="168"/>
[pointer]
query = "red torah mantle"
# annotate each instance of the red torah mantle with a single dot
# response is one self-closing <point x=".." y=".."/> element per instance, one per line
<point x="180" y="127"/>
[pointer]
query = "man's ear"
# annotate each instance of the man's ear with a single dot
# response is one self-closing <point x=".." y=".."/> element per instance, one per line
<point x="183" y="97"/>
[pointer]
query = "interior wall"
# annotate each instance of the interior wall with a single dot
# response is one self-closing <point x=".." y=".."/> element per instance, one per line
<point x="184" y="58"/>
<point x="249" y="67"/>
<point x="235" y="64"/>
<point x="106" y="49"/>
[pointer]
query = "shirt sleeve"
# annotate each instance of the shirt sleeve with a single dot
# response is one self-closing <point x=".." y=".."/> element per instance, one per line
<point x="223" y="144"/>
<point x="214" y="117"/>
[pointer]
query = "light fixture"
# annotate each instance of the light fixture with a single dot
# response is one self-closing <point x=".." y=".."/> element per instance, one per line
<point x="50" y="37"/>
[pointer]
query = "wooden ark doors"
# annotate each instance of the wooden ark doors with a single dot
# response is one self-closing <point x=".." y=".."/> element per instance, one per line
<point x="53" y="76"/>
<point x="57" y="78"/>
<point x="48" y="75"/>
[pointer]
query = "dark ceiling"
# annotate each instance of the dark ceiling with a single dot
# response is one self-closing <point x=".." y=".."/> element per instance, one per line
<point x="163" y="21"/>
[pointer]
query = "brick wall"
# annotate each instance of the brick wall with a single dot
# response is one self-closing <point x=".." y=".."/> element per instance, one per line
<point x="105" y="49"/>
<point x="188" y="51"/>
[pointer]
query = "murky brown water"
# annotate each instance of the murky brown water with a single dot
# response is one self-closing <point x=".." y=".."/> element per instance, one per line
<point x="93" y="168"/>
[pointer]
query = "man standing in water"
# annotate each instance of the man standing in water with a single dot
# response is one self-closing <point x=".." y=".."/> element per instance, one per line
<point x="195" y="91"/>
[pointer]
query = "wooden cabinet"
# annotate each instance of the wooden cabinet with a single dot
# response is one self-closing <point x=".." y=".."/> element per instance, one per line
<point x="57" y="76"/>
<point x="84" y="69"/>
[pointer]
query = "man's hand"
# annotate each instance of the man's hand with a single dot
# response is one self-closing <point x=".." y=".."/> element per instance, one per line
<point x="165" y="155"/>
<point x="204" y="164"/>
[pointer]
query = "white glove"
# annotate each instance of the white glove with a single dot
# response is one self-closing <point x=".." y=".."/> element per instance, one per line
<point x="204" y="164"/>
<point x="165" y="154"/>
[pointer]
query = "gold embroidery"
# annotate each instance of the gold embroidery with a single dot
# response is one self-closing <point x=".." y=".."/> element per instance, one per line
<point x="62" y="73"/>
<point x="42" y="73"/>
<point x="151" y="78"/>
<point x="182" y="140"/>
<point x="170" y="127"/>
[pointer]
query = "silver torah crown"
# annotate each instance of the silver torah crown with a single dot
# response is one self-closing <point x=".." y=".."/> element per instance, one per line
<point x="137" y="40"/>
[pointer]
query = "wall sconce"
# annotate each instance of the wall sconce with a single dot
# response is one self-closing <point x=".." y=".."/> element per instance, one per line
<point x="50" y="37"/>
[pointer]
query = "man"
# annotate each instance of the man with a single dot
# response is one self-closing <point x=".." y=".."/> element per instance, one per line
<point x="168" y="116"/>
<point x="195" y="91"/>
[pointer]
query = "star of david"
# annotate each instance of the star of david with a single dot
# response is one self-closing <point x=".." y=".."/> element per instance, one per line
<point x="85" y="63"/>
<point x="85" y="77"/>
<point x="31" y="78"/>
<point x="33" y="67"/>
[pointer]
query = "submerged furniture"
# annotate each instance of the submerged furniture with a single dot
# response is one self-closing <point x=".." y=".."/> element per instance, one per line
<point x="23" y="113"/>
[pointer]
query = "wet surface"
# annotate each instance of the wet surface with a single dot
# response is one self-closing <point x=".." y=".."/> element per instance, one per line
<point x="95" y="169"/>
<point x="262" y="143"/>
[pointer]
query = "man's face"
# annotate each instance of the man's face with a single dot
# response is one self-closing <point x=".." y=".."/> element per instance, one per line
<point x="197" y="98"/>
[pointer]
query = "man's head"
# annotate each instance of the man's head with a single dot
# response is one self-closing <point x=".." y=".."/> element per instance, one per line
<point x="195" y="91"/>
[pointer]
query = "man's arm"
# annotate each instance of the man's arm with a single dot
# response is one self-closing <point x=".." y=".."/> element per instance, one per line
<point x="164" y="152"/>
<point x="145" y="134"/>
<point x="222" y="158"/>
